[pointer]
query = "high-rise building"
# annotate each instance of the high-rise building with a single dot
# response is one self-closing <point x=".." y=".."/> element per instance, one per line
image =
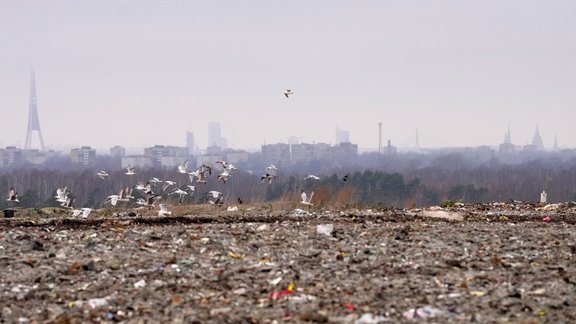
<point x="190" y="143"/>
<point x="215" y="135"/>
<point x="117" y="151"/>
<point x="10" y="157"/>
<point x="537" y="141"/>
<point x="84" y="155"/>
<point x="342" y="136"/>
<point x="507" y="147"/>
<point x="33" y="121"/>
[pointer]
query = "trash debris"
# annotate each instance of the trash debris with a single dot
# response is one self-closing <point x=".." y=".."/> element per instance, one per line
<point x="422" y="312"/>
<point x="232" y="208"/>
<point x="369" y="318"/>
<point x="140" y="284"/>
<point x="325" y="229"/>
<point x="547" y="219"/>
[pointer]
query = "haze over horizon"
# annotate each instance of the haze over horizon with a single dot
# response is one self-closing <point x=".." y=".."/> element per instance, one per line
<point x="140" y="73"/>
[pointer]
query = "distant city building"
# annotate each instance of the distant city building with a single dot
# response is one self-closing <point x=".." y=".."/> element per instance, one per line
<point x="390" y="149"/>
<point x="507" y="147"/>
<point x="342" y="136"/>
<point x="85" y="155"/>
<point x="276" y="153"/>
<point x="215" y="135"/>
<point x="190" y="143"/>
<point x="10" y="157"/>
<point x="166" y="156"/>
<point x="213" y="150"/>
<point x="303" y="152"/>
<point x="117" y="151"/>
<point x="346" y="151"/>
<point x="323" y="151"/>
<point x="238" y="158"/>
<point x="36" y="157"/>
<point x="294" y="140"/>
<point x="537" y="141"/>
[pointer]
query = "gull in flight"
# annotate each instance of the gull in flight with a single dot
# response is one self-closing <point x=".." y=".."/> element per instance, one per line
<point x="150" y="200"/>
<point x="69" y="202"/>
<point x="180" y="192"/>
<point x="61" y="194"/>
<point x="226" y="165"/>
<point x="124" y="195"/>
<point x="215" y="197"/>
<point x="305" y="199"/>
<point x="288" y="93"/>
<point x="154" y="181"/>
<point x="311" y="176"/>
<point x="130" y="171"/>
<point x="168" y="183"/>
<point x="164" y="210"/>
<point x="182" y="167"/>
<point x="271" y="171"/>
<point x="224" y="176"/>
<point x="83" y="212"/>
<point x="200" y="174"/>
<point x="12" y="195"/>
<point x="102" y="174"/>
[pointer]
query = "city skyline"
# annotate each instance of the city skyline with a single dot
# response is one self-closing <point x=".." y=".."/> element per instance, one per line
<point x="137" y="73"/>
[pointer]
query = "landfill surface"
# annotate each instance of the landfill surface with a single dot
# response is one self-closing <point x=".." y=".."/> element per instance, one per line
<point x="486" y="263"/>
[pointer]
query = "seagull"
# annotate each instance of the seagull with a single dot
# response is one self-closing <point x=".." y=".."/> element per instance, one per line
<point x="124" y="195"/>
<point x="180" y="192"/>
<point x="311" y="176"/>
<point x="224" y="175"/>
<point x="12" y="195"/>
<point x="69" y="202"/>
<point x="102" y="174"/>
<point x="226" y="165"/>
<point x="164" y="210"/>
<point x="191" y="188"/>
<point x="288" y="93"/>
<point x="61" y="194"/>
<point x="200" y="173"/>
<point x="149" y="202"/>
<point x="305" y="199"/>
<point x="167" y="183"/>
<point x="215" y="197"/>
<point x="182" y="167"/>
<point x="270" y="173"/>
<point x="130" y="171"/>
<point x="83" y="212"/>
<point x="154" y="181"/>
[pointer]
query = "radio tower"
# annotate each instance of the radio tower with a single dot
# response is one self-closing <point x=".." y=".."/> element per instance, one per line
<point x="33" y="123"/>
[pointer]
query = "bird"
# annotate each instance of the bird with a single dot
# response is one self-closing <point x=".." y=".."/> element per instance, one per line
<point x="182" y="167"/>
<point x="345" y="178"/>
<point x="305" y="199"/>
<point x="69" y="202"/>
<point x="149" y="202"/>
<point x="102" y="174"/>
<point x="200" y="173"/>
<point x="154" y="181"/>
<point x="164" y="210"/>
<point x="61" y="194"/>
<point x="226" y="165"/>
<point x="167" y="183"/>
<point x="12" y="195"/>
<point x="288" y="93"/>
<point x="130" y="170"/>
<point x="83" y="212"/>
<point x="215" y="197"/>
<point x="311" y="176"/>
<point x="271" y="171"/>
<point x="191" y="188"/>
<point x="224" y="176"/>
<point x="240" y="201"/>
<point x="125" y="194"/>
<point x="180" y="192"/>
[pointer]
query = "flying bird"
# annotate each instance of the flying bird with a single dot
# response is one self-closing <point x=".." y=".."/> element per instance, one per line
<point x="288" y="93"/>
<point x="215" y="197"/>
<point x="83" y="212"/>
<point x="180" y="192"/>
<point x="311" y="176"/>
<point x="305" y="199"/>
<point x="182" y="167"/>
<point x="12" y="195"/>
<point x="130" y="171"/>
<point x="102" y="174"/>
<point x="345" y="178"/>
<point x="224" y="176"/>
<point x="271" y="171"/>
<point x="226" y="165"/>
<point x="164" y="210"/>
<point x="61" y="194"/>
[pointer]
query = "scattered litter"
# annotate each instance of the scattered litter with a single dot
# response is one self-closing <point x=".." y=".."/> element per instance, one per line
<point x="369" y="318"/>
<point x="325" y="229"/>
<point x="140" y="284"/>
<point x="423" y="312"/>
<point x="232" y="208"/>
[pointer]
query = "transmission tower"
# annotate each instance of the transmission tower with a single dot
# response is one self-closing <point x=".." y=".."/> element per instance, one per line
<point x="33" y="121"/>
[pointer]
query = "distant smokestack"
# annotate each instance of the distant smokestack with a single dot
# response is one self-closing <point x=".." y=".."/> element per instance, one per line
<point x="380" y="138"/>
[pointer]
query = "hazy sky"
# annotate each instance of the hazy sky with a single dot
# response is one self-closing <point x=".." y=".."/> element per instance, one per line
<point x="140" y="72"/>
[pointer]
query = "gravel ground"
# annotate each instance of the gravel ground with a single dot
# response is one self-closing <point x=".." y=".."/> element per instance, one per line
<point x="498" y="264"/>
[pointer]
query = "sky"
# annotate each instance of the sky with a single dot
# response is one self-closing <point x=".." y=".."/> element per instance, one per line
<point x="137" y="73"/>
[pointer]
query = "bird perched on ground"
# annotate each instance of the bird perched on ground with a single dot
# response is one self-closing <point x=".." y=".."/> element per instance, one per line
<point x="240" y="201"/>
<point x="102" y="174"/>
<point x="311" y="176"/>
<point x="288" y="93"/>
<point x="12" y="195"/>
<point x="305" y="199"/>
<point x="83" y="212"/>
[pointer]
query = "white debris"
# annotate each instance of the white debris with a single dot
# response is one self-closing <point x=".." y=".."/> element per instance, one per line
<point x="325" y="229"/>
